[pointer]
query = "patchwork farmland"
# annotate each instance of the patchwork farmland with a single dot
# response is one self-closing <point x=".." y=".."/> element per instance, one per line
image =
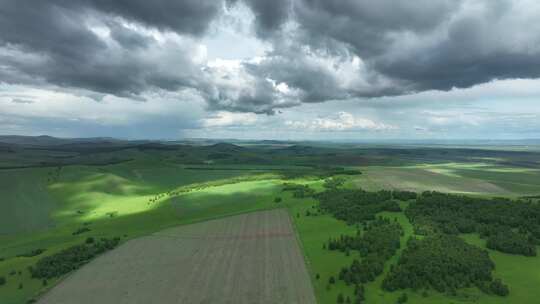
<point x="249" y="258"/>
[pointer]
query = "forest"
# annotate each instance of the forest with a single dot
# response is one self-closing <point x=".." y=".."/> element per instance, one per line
<point x="445" y="263"/>
<point x="437" y="258"/>
<point x="378" y="243"/>
<point x="356" y="206"/>
<point x="508" y="226"/>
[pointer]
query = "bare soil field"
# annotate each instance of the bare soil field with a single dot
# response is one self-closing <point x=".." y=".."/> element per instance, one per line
<point x="249" y="258"/>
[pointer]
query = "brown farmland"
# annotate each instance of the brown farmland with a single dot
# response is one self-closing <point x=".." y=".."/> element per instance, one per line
<point x="249" y="258"/>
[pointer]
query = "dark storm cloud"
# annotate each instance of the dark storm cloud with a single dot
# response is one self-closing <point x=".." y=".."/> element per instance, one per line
<point x="316" y="83"/>
<point x="269" y="15"/>
<point x="67" y="52"/>
<point x="365" y="25"/>
<point x="40" y="26"/>
<point x="128" y="38"/>
<point x="59" y="26"/>
<point x="477" y="49"/>
<point x="319" y="76"/>
<point x="186" y="16"/>
<point x="399" y="47"/>
<point x="418" y="45"/>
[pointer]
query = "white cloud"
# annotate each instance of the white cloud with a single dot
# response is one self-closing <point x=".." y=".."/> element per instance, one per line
<point x="450" y="117"/>
<point x="229" y="119"/>
<point x="343" y="121"/>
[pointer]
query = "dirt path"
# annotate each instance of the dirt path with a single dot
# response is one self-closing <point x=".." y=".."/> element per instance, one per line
<point x="249" y="258"/>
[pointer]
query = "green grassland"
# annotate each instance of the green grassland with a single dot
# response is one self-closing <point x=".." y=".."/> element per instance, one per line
<point x="41" y="207"/>
<point x="26" y="203"/>
<point x="111" y="205"/>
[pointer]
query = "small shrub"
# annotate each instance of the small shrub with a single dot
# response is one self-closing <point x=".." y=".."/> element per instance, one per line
<point x="340" y="298"/>
<point x="81" y="230"/>
<point x="498" y="288"/>
<point x="402" y="299"/>
<point x="32" y="253"/>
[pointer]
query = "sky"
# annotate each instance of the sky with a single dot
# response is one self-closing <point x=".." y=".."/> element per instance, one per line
<point x="281" y="69"/>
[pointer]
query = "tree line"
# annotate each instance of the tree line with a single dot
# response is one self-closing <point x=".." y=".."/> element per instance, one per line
<point x="298" y="190"/>
<point x="71" y="258"/>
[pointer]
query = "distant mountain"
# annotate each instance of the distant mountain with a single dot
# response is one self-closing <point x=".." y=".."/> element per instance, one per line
<point x="31" y="140"/>
<point x="235" y="144"/>
<point x="45" y="140"/>
<point x="225" y="147"/>
<point x="158" y="146"/>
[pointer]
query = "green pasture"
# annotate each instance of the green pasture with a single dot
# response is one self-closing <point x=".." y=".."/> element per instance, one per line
<point x="313" y="232"/>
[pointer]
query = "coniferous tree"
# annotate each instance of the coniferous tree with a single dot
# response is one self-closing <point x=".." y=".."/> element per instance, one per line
<point x="340" y="298"/>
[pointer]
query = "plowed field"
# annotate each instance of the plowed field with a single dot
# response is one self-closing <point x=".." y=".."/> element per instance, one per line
<point x="249" y="258"/>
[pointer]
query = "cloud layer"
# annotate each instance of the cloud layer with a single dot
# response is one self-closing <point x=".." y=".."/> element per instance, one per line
<point x="321" y="50"/>
<point x="308" y="52"/>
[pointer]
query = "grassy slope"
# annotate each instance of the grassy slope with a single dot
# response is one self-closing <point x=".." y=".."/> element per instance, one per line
<point x="87" y="195"/>
<point x="29" y="200"/>
<point x="26" y="202"/>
